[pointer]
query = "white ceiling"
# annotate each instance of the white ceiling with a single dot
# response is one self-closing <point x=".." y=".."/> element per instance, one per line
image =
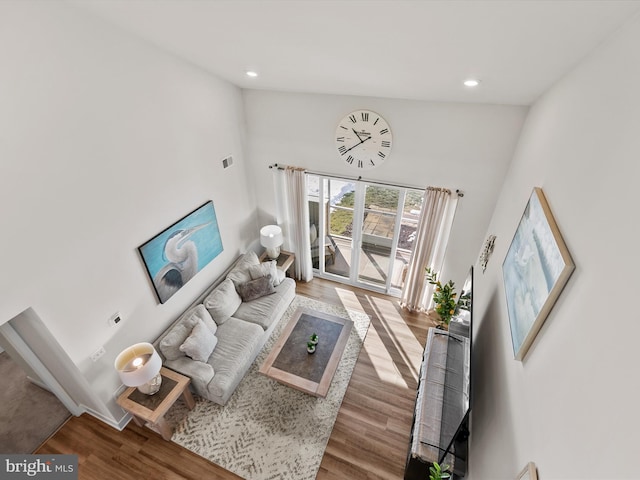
<point x="382" y="48"/>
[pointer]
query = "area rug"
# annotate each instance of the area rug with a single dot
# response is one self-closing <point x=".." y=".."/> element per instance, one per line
<point x="268" y="430"/>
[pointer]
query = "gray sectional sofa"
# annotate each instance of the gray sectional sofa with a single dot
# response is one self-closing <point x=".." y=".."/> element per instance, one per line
<point x="217" y="338"/>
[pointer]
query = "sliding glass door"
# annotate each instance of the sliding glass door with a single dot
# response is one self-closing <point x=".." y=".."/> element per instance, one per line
<point x="361" y="233"/>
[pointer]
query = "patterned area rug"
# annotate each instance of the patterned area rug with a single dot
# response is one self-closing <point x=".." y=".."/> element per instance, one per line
<point x="268" y="430"/>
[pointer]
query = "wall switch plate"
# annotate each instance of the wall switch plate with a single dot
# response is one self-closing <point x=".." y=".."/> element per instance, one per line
<point x="115" y="319"/>
<point x="97" y="354"/>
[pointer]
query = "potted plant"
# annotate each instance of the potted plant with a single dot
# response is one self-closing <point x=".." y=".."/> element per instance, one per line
<point x="311" y="347"/>
<point x="313" y="338"/>
<point x="444" y="297"/>
<point x="437" y="472"/>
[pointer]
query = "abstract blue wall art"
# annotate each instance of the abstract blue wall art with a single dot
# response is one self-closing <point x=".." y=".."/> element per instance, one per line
<point x="176" y="254"/>
<point x="535" y="271"/>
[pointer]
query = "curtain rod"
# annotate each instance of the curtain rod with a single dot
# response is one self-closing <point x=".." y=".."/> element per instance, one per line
<point x="357" y="179"/>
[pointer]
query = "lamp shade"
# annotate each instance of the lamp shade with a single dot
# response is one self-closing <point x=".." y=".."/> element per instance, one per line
<point x="271" y="236"/>
<point x="138" y="364"/>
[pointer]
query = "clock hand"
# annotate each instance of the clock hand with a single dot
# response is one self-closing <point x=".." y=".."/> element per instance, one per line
<point x="361" y="142"/>
<point x="354" y="131"/>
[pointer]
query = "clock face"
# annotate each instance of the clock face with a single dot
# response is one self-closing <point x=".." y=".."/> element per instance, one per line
<point x="363" y="140"/>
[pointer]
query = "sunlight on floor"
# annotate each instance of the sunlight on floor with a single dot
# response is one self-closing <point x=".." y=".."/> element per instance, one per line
<point x="399" y="332"/>
<point x="393" y="349"/>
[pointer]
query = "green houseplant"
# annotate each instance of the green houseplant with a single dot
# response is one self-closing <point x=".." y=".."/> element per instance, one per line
<point x="444" y="297"/>
<point x="311" y="347"/>
<point x="437" y="472"/>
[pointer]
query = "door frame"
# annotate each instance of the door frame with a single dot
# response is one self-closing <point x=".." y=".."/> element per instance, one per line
<point x="45" y="377"/>
<point x="356" y="237"/>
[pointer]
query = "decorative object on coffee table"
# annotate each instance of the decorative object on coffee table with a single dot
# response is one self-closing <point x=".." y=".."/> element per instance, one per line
<point x="311" y="347"/>
<point x="139" y="366"/>
<point x="152" y="409"/>
<point x="313" y="339"/>
<point x="271" y="239"/>
<point x="286" y="365"/>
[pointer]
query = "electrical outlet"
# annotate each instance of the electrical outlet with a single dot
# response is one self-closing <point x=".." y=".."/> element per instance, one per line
<point x="97" y="354"/>
<point x="115" y="319"/>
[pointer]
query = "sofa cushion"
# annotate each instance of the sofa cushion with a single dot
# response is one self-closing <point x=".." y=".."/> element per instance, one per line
<point x="240" y="272"/>
<point x="238" y="344"/>
<point x="200" y="343"/>
<point x="223" y="301"/>
<point x="199" y="312"/>
<point x="266" y="310"/>
<point x="255" y="289"/>
<point x="170" y="344"/>
<point x="264" y="269"/>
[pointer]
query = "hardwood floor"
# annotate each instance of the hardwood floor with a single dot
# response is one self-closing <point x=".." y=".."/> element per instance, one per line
<point x="370" y="437"/>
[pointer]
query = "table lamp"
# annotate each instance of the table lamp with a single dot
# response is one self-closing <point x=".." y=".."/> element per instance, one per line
<point x="139" y="366"/>
<point x="271" y="239"/>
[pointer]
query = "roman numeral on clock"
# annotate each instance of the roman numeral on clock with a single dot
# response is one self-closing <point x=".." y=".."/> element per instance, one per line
<point x="381" y="155"/>
<point x="352" y="118"/>
<point x="350" y="159"/>
<point x="383" y="131"/>
<point x="385" y="143"/>
<point x="341" y="139"/>
<point x="365" y="116"/>
<point x="342" y="150"/>
<point x="360" y="165"/>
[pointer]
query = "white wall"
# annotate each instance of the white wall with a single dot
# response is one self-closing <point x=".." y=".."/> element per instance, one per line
<point x="570" y="406"/>
<point x="458" y="146"/>
<point x="104" y="142"/>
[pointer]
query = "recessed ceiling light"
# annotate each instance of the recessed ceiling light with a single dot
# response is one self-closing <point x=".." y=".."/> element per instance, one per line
<point x="251" y="73"/>
<point x="471" y="82"/>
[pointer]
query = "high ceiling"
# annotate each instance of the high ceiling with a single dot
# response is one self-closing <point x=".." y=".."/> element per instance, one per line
<point x="416" y="49"/>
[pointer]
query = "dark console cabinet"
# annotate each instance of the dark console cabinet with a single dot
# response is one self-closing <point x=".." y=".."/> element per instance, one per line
<point x="440" y="429"/>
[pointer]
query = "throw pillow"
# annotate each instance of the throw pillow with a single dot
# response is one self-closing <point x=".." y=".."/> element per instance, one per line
<point x="223" y="301"/>
<point x="264" y="269"/>
<point x="170" y="344"/>
<point x="240" y="272"/>
<point x="200" y="343"/>
<point x="256" y="288"/>
<point x="199" y="312"/>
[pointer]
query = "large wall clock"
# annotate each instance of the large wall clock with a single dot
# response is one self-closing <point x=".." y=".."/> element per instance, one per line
<point x="363" y="139"/>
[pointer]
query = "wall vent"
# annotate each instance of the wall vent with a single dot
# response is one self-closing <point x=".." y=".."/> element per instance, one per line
<point x="227" y="161"/>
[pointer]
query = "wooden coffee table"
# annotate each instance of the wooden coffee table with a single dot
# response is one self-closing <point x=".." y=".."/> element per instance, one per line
<point x="290" y="364"/>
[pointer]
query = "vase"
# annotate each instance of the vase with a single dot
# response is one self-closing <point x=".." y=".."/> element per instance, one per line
<point x="311" y="349"/>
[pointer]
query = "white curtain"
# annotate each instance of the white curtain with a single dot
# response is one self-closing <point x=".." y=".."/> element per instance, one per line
<point x="434" y="225"/>
<point x="293" y="217"/>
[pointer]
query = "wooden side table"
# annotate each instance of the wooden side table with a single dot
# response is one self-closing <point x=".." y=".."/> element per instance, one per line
<point x="283" y="262"/>
<point x="152" y="408"/>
